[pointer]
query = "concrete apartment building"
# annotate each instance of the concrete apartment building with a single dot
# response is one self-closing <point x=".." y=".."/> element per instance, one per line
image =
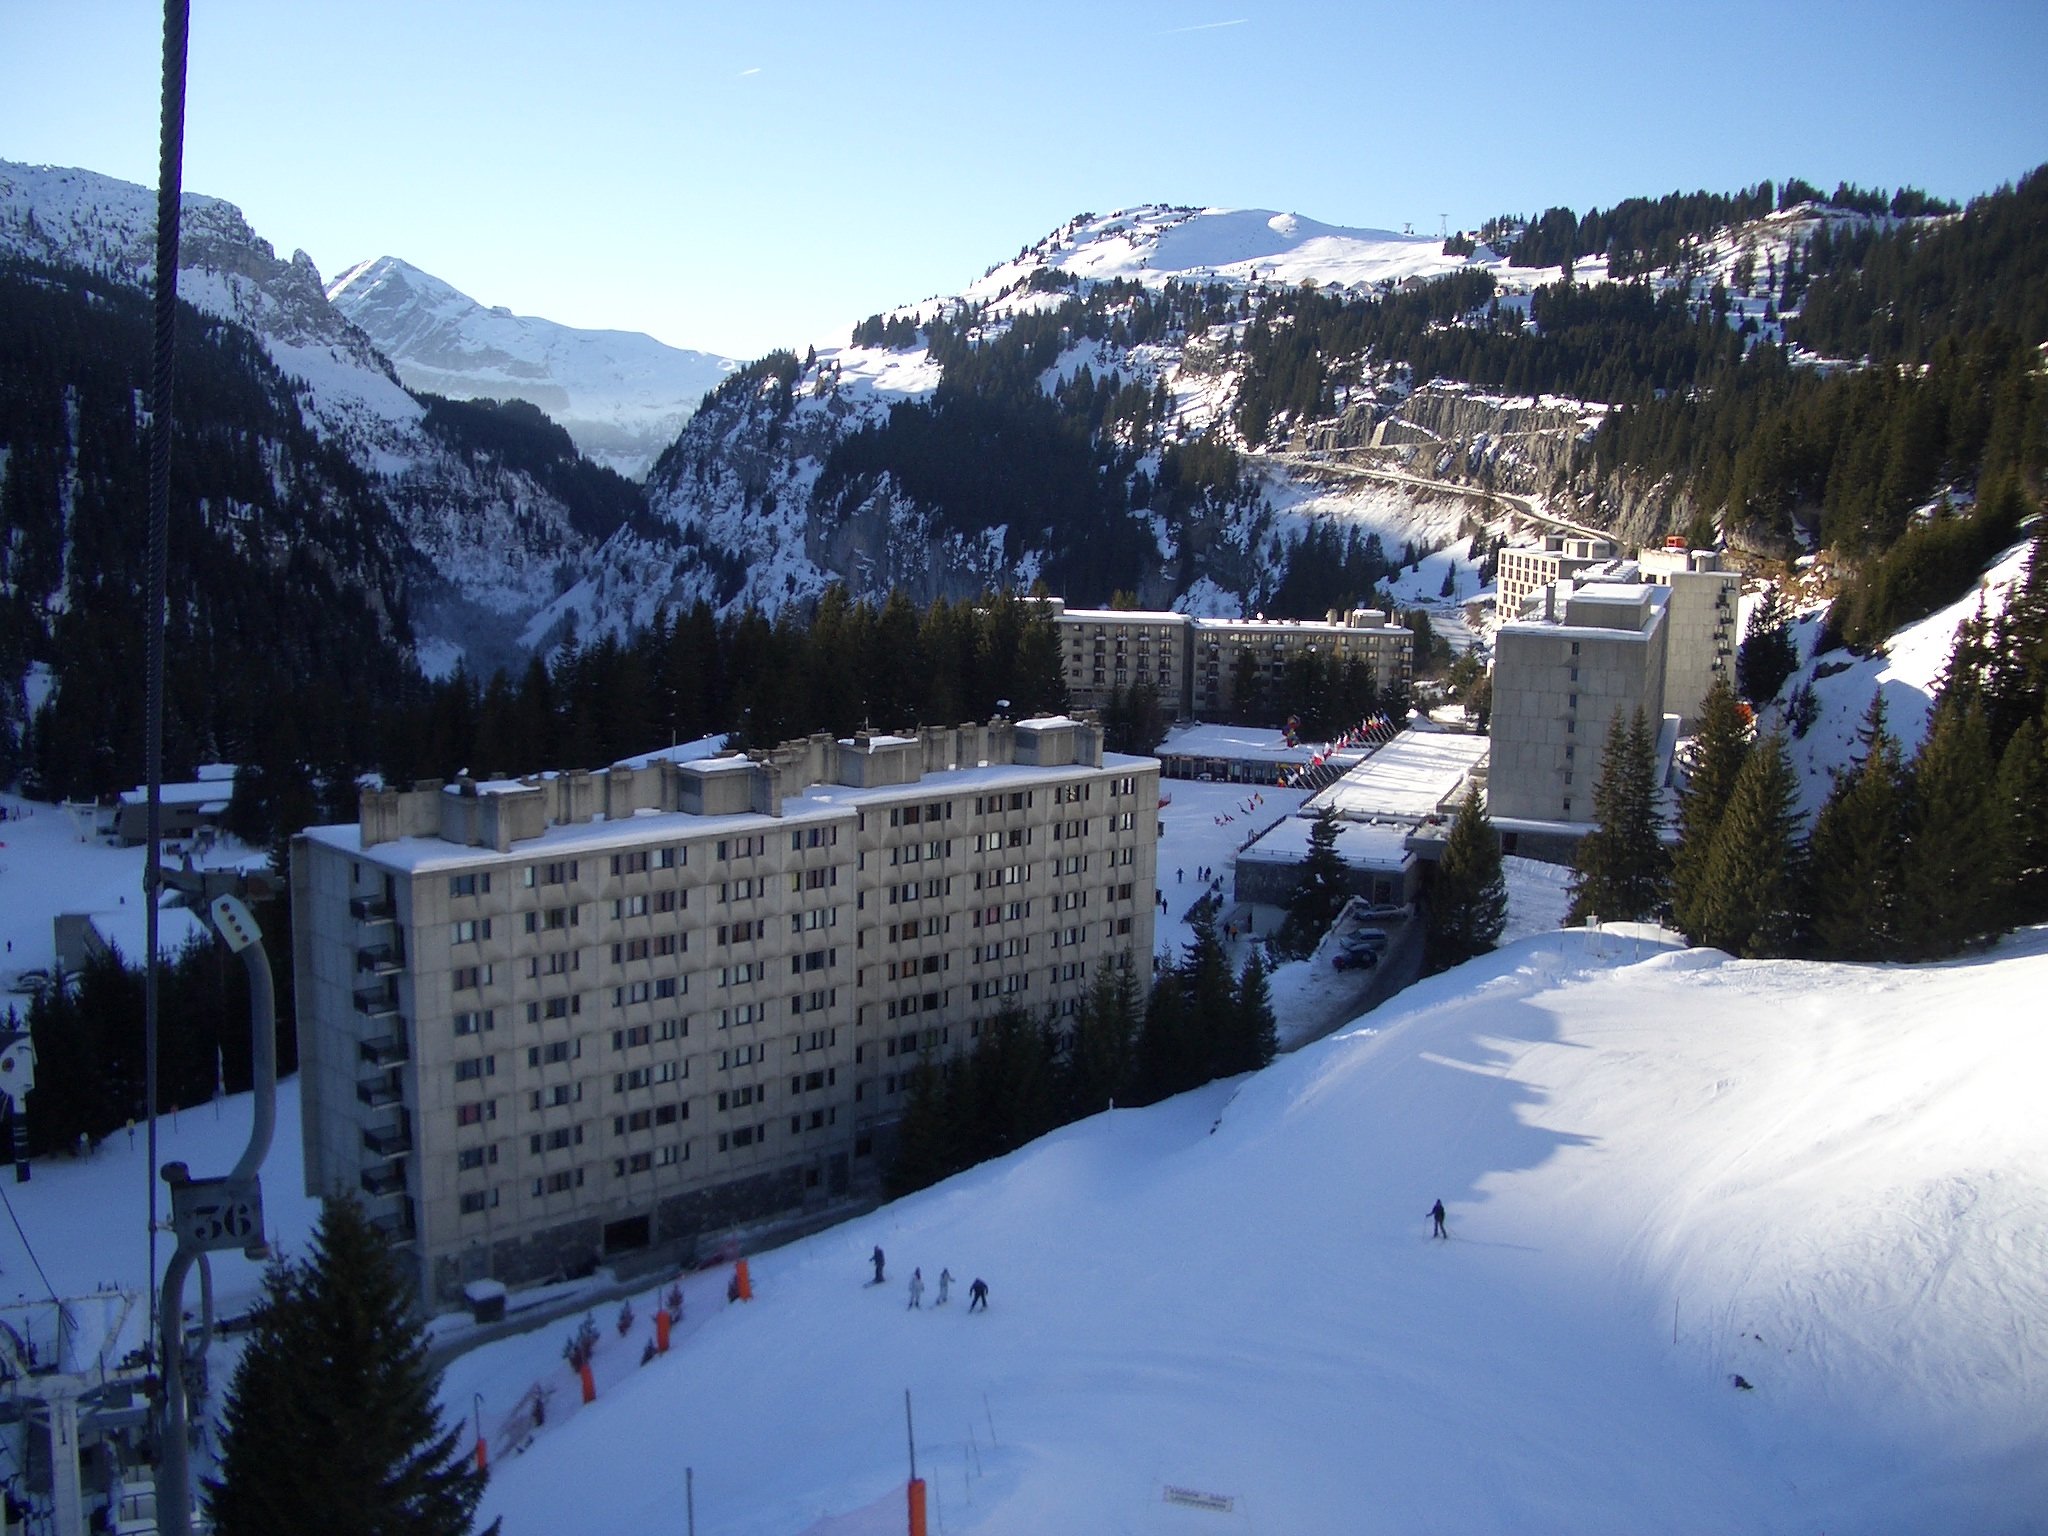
<point x="1586" y="655"/>
<point x="1527" y="568"/>
<point x="1198" y="665"/>
<point x="1701" y="620"/>
<point x="547" y="1022"/>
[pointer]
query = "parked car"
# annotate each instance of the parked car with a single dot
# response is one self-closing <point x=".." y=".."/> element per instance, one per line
<point x="1373" y="939"/>
<point x="1363" y="959"/>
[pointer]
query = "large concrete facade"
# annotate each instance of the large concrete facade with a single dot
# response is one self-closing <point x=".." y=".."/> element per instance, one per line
<point x="1701" y="621"/>
<point x="1560" y="680"/>
<point x="555" y="1020"/>
<point x="1199" y="666"/>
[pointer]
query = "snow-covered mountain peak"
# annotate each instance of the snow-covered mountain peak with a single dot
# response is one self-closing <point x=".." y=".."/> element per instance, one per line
<point x="1153" y="244"/>
<point x="622" y="395"/>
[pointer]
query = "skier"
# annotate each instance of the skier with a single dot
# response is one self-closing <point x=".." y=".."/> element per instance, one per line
<point x="917" y="1290"/>
<point x="876" y="1259"/>
<point x="1436" y="1214"/>
<point x="977" y="1296"/>
<point x="945" y="1284"/>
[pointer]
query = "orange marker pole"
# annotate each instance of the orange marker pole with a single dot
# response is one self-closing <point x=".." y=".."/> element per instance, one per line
<point x="745" y="1281"/>
<point x="589" y="1382"/>
<point x="661" y="1327"/>
<point x="917" y="1507"/>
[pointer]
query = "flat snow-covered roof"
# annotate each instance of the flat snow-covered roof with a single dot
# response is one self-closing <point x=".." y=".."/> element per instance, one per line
<point x="819" y="802"/>
<point x="1406" y="780"/>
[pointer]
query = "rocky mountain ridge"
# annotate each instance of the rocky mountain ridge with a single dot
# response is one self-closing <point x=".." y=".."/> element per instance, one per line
<point x="485" y="545"/>
<point x="621" y="395"/>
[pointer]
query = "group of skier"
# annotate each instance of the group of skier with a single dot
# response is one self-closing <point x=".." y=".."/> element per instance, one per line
<point x="977" y="1293"/>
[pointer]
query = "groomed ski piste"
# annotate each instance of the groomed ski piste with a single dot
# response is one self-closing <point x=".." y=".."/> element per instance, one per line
<point x="1664" y="1169"/>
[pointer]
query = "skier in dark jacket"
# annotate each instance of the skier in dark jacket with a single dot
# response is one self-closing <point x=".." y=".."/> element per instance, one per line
<point x="977" y="1296"/>
<point x="1436" y="1214"/>
<point x="876" y="1259"/>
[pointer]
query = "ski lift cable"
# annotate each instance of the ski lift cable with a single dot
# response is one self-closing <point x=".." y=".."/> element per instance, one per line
<point x="163" y="380"/>
<point x="29" y="1248"/>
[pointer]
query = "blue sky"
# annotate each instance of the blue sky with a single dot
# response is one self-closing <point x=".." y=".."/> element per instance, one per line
<point x="739" y="177"/>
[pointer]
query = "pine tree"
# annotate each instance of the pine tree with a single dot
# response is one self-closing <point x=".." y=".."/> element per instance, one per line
<point x="1254" y="1037"/>
<point x="1468" y="902"/>
<point x="1099" y="1058"/>
<point x="2023" y="797"/>
<point x="1621" y="865"/>
<point x="330" y="1422"/>
<point x="1719" y="745"/>
<point x="1856" y="853"/>
<point x="1955" y="862"/>
<point x="1751" y="901"/>
<point x="1163" y="1066"/>
<point x="1211" y="1001"/>
<point x="1767" y="655"/>
<point x="928" y="1143"/>
<point x="1323" y="886"/>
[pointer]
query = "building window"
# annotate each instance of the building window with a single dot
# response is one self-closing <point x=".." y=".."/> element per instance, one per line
<point x="476" y="1068"/>
<point x="477" y="1200"/>
<point x="475" y="884"/>
<point x="476" y="1114"/>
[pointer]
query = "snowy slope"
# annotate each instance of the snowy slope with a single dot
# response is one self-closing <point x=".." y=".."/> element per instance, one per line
<point x="1906" y="670"/>
<point x="1826" y="1179"/>
<point x="622" y="395"/>
<point x="1154" y="245"/>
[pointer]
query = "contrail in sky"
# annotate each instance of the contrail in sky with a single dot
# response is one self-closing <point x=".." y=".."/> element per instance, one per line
<point x="1205" y="26"/>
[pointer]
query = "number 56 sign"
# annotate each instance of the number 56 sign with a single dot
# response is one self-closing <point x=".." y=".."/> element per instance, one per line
<point x="210" y="1214"/>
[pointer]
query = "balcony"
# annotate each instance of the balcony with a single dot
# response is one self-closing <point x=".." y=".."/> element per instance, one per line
<point x="396" y="1225"/>
<point x="372" y="909"/>
<point x="395" y="1141"/>
<point x="377" y="1002"/>
<point x="384" y="1181"/>
<point x="381" y="959"/>
<point x="380" y="1091"/>
<point x="385" y="1050"/>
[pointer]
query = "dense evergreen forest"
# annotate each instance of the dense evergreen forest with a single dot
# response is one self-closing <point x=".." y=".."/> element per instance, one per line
<point x="689" y="675"/>
<point x="290" y="580"/>
<point x="525" y="438"/>
<point x="1059" y="470"/>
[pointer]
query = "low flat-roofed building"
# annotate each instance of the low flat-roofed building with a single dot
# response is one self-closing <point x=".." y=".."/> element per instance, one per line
<point x="1379" y="864"/>
<point x="182" y="809"/>
<point x="1242" y="754"/>
<point x="1386" y="805"/>
<point x="1416" y="778"/>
